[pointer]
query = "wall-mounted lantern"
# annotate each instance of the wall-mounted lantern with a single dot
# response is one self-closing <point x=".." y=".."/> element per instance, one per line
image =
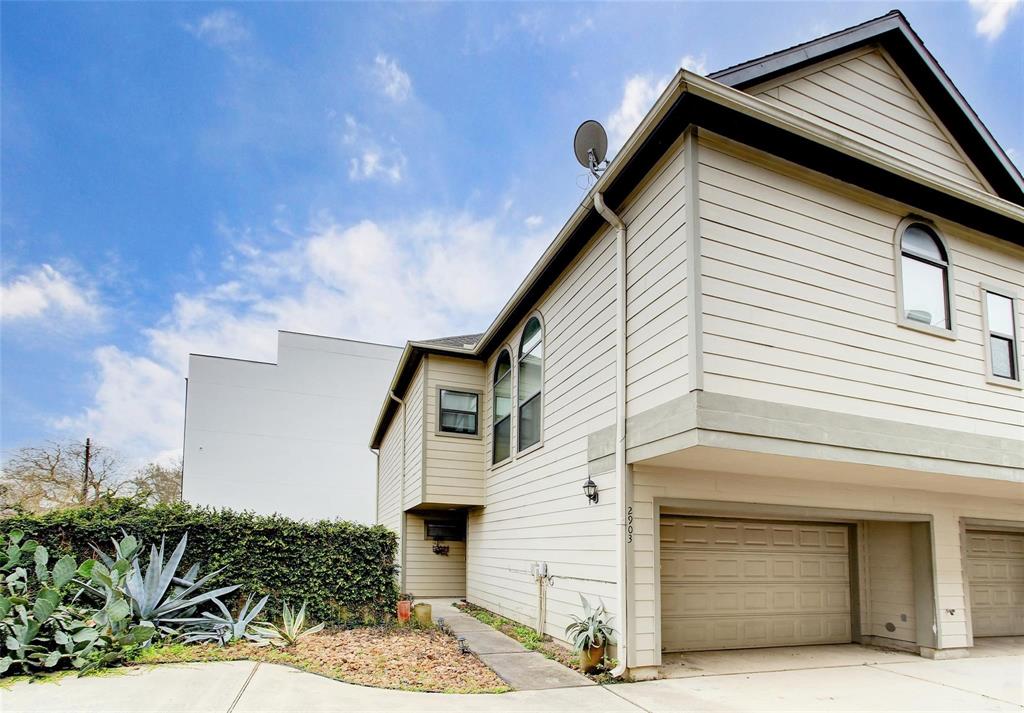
<point x="590" y="490"/>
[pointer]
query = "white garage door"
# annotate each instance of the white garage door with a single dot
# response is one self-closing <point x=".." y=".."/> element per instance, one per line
<point x="729" y="584"/>
<point x="995" y="571"/>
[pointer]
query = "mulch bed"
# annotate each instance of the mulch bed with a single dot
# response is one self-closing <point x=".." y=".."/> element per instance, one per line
<point x="407" y="659"/>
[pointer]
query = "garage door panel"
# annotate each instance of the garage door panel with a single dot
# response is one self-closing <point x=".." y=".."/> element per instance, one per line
<point x="753" y="632"/>
<point x="995" y="573"/>
<point x="739" y="584"/>
<point x="695" y="601"/>
<point x="690" y="566"/>
<point x="755" y="536"/>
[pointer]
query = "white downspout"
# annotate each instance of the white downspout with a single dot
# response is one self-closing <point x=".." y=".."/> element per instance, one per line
<point x="401" y="502"/>
<point x="622" y="496"/>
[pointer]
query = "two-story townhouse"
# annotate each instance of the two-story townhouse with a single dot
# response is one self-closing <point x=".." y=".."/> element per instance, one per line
<point x="762" y="389"/>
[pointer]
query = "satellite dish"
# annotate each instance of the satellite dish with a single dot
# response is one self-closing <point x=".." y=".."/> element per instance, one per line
<point x="591" y="145"/>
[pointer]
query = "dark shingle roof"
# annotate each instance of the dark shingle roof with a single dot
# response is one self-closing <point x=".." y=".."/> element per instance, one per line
<point x="461" y="341"/>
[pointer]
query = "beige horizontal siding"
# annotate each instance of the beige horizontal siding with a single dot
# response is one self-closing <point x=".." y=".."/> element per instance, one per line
<point x="656" y="294"/>
<point x="414" y="398"/>
<point x="389" y="476"/>
<point x="800" y="304"/>
<point x="863" y="96"/>
<point x="535" y="510"/>
<point x="454" y="464"/>
<point x="428" y="574"/>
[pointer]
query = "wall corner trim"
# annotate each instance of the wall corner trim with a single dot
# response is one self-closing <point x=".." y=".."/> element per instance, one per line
<point x="694" y="289"/>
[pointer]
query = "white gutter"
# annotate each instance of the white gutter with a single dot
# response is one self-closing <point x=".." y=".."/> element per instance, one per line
<point x="401" y="502"/>
<point x="621" y="473"/>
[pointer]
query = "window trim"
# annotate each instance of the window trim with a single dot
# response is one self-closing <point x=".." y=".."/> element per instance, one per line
<point x="511" y="434"/>
<point x="1009" y="293"/>
<point x="459" y="525"/>
<point x="479" y="412"/>
<point x="543" y="341"/>
<point x="901" y="319"/>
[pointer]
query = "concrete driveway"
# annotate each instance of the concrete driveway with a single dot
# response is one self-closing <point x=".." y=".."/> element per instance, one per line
<point x="994" y="683"/>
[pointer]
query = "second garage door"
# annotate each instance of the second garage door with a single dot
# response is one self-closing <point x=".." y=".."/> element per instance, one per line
<point x="995" y="571"/>
<point x="728" y="584"/>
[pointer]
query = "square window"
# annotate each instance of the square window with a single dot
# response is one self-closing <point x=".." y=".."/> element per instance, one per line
<point x="459" y="412"/>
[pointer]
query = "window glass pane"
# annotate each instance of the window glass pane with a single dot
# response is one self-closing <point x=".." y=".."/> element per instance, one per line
<point x="455" y="422"/>
<point x="502" y="440"/>
<point x="503" y="397"/>
<point x="529" y="376"/>
<point x="920" y="240"/>
<point x="529" y="422"/>
<point x="1002" y="357"/>
<point x="504" y="366"/>
<point x="531" y="337"/>
<point x="924" y="293"/>
<point x="458" y="401"/>
<point x="1000" y="314"/>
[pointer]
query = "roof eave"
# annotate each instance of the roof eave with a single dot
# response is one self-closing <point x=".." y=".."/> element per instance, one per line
<point x="407" y="363"/>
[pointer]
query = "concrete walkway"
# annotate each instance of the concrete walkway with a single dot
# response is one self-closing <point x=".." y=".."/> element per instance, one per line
<point x="523" y="670"/>
<point x="994" y="683"/>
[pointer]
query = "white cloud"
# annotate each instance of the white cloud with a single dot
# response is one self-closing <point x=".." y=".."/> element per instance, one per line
<point x="391" y="79"/>
<point x="638" y="96"/>
<point x="372" y="160"/>
<point x="220" y="28"/>
<point x="47" y="292"/>
<point x="695" y="64"/>
<point x="433" y="275"/>
<point x="993" y="16"/>
<point x="534" y="221"/>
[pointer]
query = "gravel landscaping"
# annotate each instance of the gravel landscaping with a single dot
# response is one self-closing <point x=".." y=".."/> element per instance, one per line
<point x="406" y="659"/>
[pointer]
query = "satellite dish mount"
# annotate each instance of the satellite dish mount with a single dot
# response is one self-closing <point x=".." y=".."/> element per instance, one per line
<point x="591" y="147"/>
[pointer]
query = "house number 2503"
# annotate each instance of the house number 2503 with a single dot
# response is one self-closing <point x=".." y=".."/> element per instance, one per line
<point x="629" y="524"/>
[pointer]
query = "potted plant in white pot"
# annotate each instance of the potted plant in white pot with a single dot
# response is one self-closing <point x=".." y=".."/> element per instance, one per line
<point x="590" y="635"/>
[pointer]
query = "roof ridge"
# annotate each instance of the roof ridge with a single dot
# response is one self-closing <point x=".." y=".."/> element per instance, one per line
<point x="844" y="30"/>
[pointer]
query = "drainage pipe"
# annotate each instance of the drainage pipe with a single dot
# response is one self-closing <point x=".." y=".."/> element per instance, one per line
<point x="621" y="472"/>
<point x="401" y="502"/>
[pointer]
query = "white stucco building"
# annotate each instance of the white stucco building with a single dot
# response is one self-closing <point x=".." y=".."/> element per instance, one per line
<point x="288" y="437"/>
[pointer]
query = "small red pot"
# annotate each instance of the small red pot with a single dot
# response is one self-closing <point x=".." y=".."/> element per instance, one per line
<point x="404" y="610"/>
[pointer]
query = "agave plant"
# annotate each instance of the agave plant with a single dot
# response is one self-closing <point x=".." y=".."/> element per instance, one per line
<point x="592" y="630"/>
<point x="225" y="628"/>
<point x="150" y="595"/>
<point x="291" y="629"/>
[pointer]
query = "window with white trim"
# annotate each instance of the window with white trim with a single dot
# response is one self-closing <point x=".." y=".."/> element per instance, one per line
<point x="459" y="412"/>
<point x="924" y="267"/>
<point x="1001" y="335"/>
<point x="501" y="415"/>
<point x="530" y="383"/>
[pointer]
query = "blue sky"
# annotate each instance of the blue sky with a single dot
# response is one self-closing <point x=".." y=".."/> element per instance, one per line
<point x="191" y="177"/>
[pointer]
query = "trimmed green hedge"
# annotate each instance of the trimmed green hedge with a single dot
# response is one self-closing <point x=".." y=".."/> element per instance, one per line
<point x="344" y="571"/>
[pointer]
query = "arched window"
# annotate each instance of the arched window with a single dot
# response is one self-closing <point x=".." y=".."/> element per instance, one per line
<point x="501" y="417"/>
<point x="531" y="378"/>
<point x="924" y="267"/>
